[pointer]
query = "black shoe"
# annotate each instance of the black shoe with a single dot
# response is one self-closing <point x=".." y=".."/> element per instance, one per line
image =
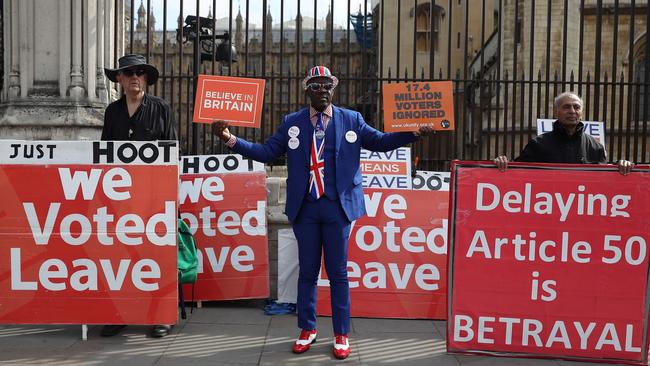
<point x="159" y="331"/>
<point x="111" y="330"/>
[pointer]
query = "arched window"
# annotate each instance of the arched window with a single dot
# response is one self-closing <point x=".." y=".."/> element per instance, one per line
<point x="427" y="26"/>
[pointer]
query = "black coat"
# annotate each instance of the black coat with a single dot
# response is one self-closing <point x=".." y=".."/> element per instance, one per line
<point x="153" y="120"/>
<point x="558" y="147"/>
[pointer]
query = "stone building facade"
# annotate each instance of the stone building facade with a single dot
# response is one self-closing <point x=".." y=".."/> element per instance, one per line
<point x="601" y="48"/>
<point x="429" y="38"/>
<point x="509" y="58"/>
<point x="54" y="52"/>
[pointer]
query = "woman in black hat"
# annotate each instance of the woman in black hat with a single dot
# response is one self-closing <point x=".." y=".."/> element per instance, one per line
<point x="137" y="116"/>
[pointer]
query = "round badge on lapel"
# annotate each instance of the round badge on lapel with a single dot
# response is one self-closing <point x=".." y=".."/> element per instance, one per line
<point x="294" y="131"/>
<point x="293" y="143"/>
<point x="351" y="137"/>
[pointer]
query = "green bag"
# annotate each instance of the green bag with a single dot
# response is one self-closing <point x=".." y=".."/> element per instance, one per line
<point x="187" y="259"/>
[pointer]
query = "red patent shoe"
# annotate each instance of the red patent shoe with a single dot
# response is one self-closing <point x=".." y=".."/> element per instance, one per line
<point x="341" y="348"/>
<point x="304" y="341"/>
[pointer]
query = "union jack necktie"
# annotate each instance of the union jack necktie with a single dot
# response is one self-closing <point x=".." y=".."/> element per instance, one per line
<point x="316" y="161"/>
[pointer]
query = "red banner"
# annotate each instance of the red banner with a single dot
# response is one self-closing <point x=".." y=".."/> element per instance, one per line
<point x="397" y="259"/>
<point x="223" y="200"/>
<point x="549" y="261"/>
<point x="88" y="232"/>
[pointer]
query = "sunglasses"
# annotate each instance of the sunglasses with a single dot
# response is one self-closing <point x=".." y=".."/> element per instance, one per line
<point x="319" y="86"/>
<point x="131" y="72"/>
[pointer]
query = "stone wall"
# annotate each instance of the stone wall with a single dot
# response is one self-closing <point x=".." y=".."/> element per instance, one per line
<point x="276" y="198"/>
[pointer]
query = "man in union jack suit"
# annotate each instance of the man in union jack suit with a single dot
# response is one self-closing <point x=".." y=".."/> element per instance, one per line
<point x="324" y="193"/>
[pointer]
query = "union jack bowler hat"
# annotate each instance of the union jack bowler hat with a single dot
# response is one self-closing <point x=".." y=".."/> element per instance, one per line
<point x="319" y="71"/>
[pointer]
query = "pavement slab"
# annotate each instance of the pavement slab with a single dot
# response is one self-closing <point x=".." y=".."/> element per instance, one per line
<point x="238" y="333"/>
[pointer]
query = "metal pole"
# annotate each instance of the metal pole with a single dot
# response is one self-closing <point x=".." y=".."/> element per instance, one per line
<point x="195" y="71"/>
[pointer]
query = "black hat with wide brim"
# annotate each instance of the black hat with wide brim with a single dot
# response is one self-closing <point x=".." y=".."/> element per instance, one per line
<point x="133" y="61"/>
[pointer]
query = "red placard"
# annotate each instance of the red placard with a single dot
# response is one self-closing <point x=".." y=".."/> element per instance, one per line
<point x="549" y="261"/>
<point x="233" y="99"/>
<point x="91" y="241"/>
<point x="226" y="213"/>
<point x="397" y="257"/>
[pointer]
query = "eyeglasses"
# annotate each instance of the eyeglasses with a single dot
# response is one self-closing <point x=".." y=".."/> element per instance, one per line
<point x="319" y="86"/>
<point x="131" y="72"/>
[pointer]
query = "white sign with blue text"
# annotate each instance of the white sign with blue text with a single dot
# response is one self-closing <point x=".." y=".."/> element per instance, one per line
<point x="594" y="129"/>
<point x="386" y="169"/>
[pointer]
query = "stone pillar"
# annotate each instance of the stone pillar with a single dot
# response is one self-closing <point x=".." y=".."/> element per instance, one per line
<point x="102" y="92"/>
<point x="64" y="39"/>
<point x="10" y="17"/>
<point x="76" y="89"/>
<point x="55" y="52"/>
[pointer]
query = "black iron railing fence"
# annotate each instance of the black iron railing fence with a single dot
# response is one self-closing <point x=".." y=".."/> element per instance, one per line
<point x="507" y="60"/>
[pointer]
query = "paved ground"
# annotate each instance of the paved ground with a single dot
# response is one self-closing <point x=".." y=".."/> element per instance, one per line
<point x="238" y="333"/>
